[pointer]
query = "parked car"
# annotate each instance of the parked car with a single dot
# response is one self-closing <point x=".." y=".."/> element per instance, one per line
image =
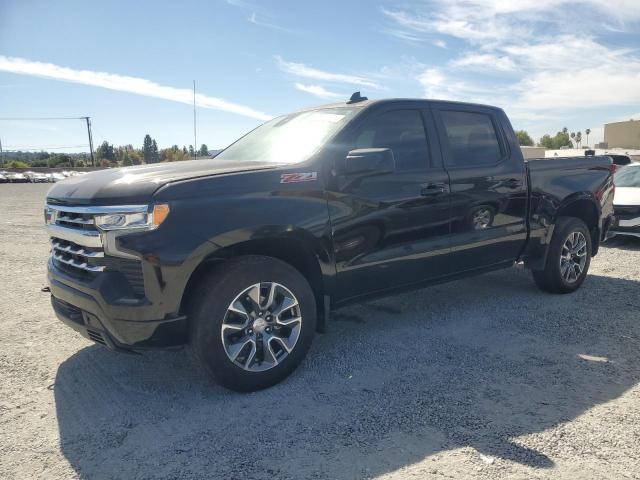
<point x="17" y="177"/>
<point x="619" y="160"/>
<point x="56" y="177"/>
<point x="35" y="177"/>
<point x="626" y="201"/>
<point x="243" y="257"/>
<point x="3" y="178"/>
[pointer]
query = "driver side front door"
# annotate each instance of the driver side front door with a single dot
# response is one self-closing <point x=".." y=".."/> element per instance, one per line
<point x="391" y="230"/>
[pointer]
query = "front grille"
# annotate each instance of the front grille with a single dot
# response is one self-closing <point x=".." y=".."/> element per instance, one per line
<point x="83" y="221"/>
<point x="76" y="244"/>
<point x="77" y="248"/>
<point x="76" y="256"/>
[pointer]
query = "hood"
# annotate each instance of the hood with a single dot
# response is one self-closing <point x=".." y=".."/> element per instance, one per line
<point x="627" y="196"/>
<point x="131" y="185"/>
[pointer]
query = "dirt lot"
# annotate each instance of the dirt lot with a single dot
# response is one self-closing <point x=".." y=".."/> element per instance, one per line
<point x="482" y="378"/>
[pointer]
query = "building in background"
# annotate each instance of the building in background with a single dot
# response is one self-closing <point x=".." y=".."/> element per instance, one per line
<point x="633" y="154"/>
<point x="622" y="134"/>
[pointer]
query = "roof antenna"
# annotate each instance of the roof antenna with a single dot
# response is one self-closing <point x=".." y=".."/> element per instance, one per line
<point x="355" y="98"/>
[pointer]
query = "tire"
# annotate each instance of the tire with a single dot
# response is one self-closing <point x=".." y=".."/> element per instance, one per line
<point x="238" y="357"/>
<point x="561" y="276"/>
<point x="480" y="217"/>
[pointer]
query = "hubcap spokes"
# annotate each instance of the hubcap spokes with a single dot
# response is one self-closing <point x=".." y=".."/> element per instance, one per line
<point x="573" y="257"/>
<point x="261" y="326"/>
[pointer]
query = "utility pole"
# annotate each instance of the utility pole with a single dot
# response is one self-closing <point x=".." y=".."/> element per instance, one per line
<point x="93" y="162"/>
<point x="1" y="154"/>
<point x="195" y="138"/>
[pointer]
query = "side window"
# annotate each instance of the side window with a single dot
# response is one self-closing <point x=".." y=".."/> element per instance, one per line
<point x="403" y="132"/>
<point x="472" y="139"/>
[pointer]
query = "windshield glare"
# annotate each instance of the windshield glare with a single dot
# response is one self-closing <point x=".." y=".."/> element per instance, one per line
<point x="628" y="177"/>
<point x="289" y="139"/>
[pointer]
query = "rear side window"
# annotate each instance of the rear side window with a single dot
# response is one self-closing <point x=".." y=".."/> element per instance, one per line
<point x="472" y="138"/>
<point x="400" y="130"/>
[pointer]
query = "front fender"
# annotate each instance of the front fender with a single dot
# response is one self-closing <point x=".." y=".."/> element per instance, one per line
<point x="199" y="228"/>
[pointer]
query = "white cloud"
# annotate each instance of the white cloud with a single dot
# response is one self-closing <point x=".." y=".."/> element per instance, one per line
<point x="481" y="21"/>
<point x="567" y="52"/>
<point x="136" y="85"/>
<point x="578" y="89"/>
<point x="318" y="91"/>
<point x="453" y="20"/>
<point x="438" y="85"/>
<point x="440" y="43"/>
<point x="556" y="68"/>
<point x="485" y="61"/>
<point x="403" y="35"/>
<point x="256" y="20"/>
<point x="306" y="71"/>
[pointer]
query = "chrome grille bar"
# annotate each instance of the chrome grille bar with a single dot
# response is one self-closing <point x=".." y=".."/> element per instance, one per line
<point x="84" y="238"/>
<point x="99" y="210"/>
<point x="74" y="250"/>
<point x="76" y="264"/>
<point x="81" y="221"/>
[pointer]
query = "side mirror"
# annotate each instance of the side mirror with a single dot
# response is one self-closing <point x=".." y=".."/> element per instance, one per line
<point x="370" y="160"/>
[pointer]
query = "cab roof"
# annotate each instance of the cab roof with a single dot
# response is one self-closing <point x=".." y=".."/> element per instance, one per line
<point x="367" y="103"/>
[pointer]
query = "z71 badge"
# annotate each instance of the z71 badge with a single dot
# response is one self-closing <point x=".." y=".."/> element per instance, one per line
<point x="298" y="177"/>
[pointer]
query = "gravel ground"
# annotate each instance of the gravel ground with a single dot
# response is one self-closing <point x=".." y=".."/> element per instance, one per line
<point x="481" y="378"/>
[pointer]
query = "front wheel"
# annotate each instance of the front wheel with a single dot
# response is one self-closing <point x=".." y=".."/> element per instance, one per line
<point x="252" y="322"/>
<point x="568" y="258"/>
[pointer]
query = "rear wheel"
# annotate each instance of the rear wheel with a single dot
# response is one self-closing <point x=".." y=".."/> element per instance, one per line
<point x="568" y="258"/>
<point x="252" y="322"/>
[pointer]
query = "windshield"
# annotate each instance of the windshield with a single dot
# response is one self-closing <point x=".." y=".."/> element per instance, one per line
<point x="289" y="139"/>
<point x="628" y="177"/>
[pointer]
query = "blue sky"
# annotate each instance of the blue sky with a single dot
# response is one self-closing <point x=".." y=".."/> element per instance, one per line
<point x="129" y="65"/>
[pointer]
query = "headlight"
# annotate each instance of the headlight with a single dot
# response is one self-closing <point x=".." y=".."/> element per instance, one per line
<point x="133" y="220"/>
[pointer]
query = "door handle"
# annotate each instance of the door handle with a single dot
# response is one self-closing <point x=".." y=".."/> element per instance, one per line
<point x="433" y="189"/>
<point x="513" y="183"/>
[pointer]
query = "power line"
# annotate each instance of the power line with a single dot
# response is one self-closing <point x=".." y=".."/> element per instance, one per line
<point x="86" y="119"/>
<point x="42" y="118"/>
<point x="37" y="147"/>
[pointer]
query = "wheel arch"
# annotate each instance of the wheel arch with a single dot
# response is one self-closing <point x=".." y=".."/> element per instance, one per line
<point x="294" y="249"/>
<point x="586" y="209"/>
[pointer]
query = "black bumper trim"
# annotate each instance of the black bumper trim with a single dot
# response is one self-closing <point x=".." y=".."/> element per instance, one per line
<point x="83" y="313"/>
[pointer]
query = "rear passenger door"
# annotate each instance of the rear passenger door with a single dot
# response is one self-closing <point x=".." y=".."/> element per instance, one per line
<point x="488" y="186"/>
<point x="390" y="229"/>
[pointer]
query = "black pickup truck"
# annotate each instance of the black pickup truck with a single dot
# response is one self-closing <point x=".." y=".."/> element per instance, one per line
<point x="242" y="257"/>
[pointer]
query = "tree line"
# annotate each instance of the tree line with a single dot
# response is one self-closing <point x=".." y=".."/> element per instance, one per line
<point x="126" y="155"/>
<point x="107" y="155"/>
<point x="561" y="139"/>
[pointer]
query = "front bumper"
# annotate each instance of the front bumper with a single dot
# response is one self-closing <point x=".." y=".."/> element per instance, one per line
<point x="96" y="310"/>
<point x="626" y="223"/>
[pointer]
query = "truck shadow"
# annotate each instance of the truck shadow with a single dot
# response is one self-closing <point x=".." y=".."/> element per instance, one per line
<point x="623" y="243"/>
<point x="424" y="373"/>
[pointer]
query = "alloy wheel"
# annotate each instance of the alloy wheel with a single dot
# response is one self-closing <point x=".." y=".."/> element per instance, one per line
<point x="573" y="257"/>
<point x="261" y="326"/>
